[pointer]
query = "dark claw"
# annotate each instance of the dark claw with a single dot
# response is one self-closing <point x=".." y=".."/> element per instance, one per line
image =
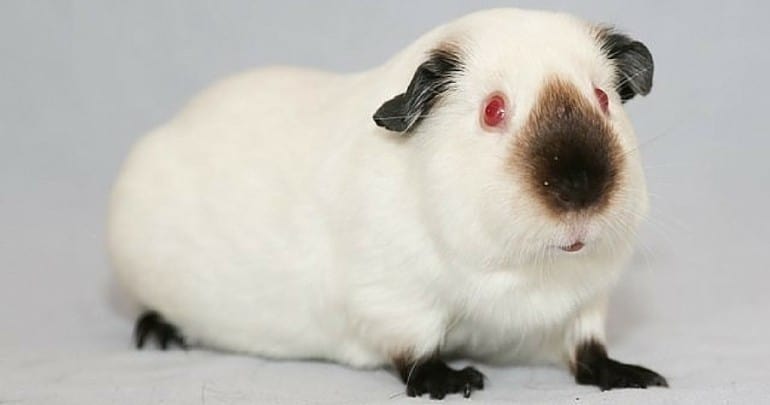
<point x="151" y="323"/>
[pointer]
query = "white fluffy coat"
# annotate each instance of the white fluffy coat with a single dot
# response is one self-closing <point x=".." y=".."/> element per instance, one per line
<point x="272" y="216"/>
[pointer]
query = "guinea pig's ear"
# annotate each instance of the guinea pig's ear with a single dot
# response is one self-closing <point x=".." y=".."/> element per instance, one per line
<point x="431" y="80"/>
<point x="633" y="61"/>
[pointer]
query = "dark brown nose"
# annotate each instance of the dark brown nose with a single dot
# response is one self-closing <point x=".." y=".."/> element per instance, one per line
<point x="578" y="174"/>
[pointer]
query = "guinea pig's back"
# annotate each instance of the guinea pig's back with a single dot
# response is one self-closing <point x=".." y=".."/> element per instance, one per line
<point x="210" y="221"/>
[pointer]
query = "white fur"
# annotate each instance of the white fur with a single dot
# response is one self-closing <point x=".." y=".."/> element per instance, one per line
<point x="273" y="217"/>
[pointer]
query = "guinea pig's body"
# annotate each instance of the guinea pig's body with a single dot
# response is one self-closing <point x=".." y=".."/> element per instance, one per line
<point x="273" y="216"/>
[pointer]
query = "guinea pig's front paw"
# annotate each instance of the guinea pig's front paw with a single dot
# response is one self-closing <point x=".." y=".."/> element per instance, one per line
<point x="608" y="374"/>
<point x="594" y="367"/>
<point x="437" y="379"/>
<point x="614" y="374"/>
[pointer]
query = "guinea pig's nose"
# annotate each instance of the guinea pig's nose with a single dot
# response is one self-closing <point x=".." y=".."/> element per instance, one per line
<point x="574" y="190"/>
<point x="577" y="182"/>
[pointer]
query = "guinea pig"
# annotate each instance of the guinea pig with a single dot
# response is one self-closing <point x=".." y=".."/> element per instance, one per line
<point x="474" y="197"/>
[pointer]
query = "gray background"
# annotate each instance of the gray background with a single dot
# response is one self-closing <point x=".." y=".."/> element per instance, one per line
<point x="80" y="81"/>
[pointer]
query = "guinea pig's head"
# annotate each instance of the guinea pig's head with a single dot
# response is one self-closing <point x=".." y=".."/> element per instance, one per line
<point x="518" y="139"/>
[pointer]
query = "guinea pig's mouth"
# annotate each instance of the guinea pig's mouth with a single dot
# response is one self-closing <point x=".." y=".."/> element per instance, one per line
<point x="575" y="247"/>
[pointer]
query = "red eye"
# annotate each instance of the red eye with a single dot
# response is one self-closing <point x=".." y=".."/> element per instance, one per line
<point x="604" y="100"/>
<point x="494" y="111"/>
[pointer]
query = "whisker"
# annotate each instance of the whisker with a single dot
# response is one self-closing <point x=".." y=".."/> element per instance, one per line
<point x="627" y="78"/>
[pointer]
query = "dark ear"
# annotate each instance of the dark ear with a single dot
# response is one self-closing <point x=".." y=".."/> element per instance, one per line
<point x="430" y="81"/>
<point x="633" y="61"/>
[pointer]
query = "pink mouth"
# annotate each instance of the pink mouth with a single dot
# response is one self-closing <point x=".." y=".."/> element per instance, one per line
<point x="575" y="247"/>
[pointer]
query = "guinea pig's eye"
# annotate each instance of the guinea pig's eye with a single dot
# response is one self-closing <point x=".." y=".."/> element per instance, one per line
<point x="604" y="100"/>
<point x="493" y="112"/>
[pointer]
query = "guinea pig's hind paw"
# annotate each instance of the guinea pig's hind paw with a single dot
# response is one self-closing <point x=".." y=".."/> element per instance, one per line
<point x="152" y="323"/>
<point x="437" y="379"/>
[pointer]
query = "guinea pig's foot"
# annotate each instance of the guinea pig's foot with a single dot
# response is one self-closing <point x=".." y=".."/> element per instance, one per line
<point x="594" y="367"/>
<point x="437" y="379"/>
<point x="152" y="323"/>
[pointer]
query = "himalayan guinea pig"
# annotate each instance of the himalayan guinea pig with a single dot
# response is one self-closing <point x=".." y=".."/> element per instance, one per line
<point x="476" y="196"/>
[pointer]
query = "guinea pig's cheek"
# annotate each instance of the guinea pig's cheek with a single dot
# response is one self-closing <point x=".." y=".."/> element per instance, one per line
<point x="495" y="112"/>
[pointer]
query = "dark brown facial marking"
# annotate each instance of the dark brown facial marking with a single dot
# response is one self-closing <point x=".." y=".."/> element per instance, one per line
<point x="567" y="153"/>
